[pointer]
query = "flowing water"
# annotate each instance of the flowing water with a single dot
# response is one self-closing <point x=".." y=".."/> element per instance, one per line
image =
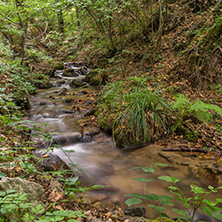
<point x="101" y="162"/>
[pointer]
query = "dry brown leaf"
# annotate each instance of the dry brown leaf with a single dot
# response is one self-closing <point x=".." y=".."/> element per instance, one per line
<point x="55" y="196"/>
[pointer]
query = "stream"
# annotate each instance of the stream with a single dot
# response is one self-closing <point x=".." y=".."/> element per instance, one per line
<point x="61" y="109"/>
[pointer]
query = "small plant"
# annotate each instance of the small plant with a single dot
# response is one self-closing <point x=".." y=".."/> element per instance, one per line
<point x="152" y="201"/>
<point x="183" y="109"/>
<point x="197" y="199"/>
<point x="14" y="205"/>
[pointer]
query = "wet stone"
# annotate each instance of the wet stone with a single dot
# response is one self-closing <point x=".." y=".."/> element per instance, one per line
<point x="51" y="161"/>
<point x="135" y="211"/>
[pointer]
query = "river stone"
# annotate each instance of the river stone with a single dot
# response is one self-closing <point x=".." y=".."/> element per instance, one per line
<point x="58" y="66"/>
<point x="94" y="77"/>
<point x="45" y="85"/>
<point x="76" y="83"/>
<point x="70" y="73"/>
<point x="84" y="70"/>
<point x="51" y="161"/>
<point x="69" y="65"/>
<point x="33" y="190"/>
<point x="135" y="211"/>
<point x="138" y="219"/>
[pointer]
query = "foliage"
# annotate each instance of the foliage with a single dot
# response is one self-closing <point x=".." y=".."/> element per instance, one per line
<point x="183" y="109"/>
<point x="139" y="115"/>
<point x="199" y="200"/>
<point x="139" y="112"/>
<point x="196" y="200"/>
<point x="152" y="201"/>
<point x="15" y="206"/>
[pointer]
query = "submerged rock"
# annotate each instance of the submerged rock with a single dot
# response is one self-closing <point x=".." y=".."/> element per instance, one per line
<point x="76" y="83"/>
<point x="45" y="85"/>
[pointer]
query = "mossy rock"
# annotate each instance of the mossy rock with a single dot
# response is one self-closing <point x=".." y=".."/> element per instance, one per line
<point x="101" y="63"/>
<point x="96" y="77"/>
<point x="44" y="85"/>
<point x="164" y="219"/>
<point x="105" y="125"/>
<point x="76" y="83"/>
<point x="70" y="73"/>
<point x="58" y="66"/>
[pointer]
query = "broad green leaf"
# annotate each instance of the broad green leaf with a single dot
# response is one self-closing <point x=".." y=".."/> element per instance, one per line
<point x="182" y="213"/>
<point x="161" y="164"/>
<point x="207" y="210"/>
<point x="133" y="195"/>
<point x="133" y="201"/>
<point x="169" y="179"/>
<point x="2" y="193"/>
<point x="74" y="180"/>
<point x="197" y="190"/>
<point x="158" y="209"/>
<point x="173" y="188"/>
<point x="218" y="216"/>
<point x="219" y="200"/>
<point x="143" y="179"/>
<point x="210" y="203"/>
<point x="149" y="169"/>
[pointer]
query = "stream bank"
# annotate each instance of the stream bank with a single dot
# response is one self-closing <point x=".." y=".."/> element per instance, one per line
<point x="64" y="109"/>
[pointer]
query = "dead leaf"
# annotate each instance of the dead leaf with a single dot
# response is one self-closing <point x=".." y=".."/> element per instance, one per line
<point x="55" y="196"/>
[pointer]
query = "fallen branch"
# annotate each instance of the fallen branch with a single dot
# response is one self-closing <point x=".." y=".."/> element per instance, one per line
<point x="184" y="150"/>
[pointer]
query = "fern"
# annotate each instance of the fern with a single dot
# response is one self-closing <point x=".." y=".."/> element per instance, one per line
<point x="184" y="108"/>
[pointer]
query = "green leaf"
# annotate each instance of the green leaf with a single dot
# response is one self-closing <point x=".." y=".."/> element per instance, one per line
<point x="149" y="169"/>
<point x="133" y="195"/>
<point x="133" y="201"/>
<point x="197" y="190"/>
<point x="161" y="164"/>
<point x="169" y="179"/>
<point x="2" y="193"/>
<point x="219" y="200"/>
<point x="173" y="188"/>
<point x="218" y="216"/>
<point x="181" y="212"/>
<point x="143" y="179"/>
<point x="207" y="210"/>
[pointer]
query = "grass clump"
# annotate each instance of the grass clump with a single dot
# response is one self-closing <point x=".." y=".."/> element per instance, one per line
<point x="140" y="115"/>
<point x="137" y="113"/>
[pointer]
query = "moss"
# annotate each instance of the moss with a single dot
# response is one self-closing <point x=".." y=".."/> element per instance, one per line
<point x="57" y="66"/>
<point x="105" y="125"/>
<point x="94" y="78"/>
<point x="191" y="136"/>
<point x="164" y="219"/>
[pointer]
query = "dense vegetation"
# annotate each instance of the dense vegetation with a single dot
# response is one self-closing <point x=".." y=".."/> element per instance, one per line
<point x="157" y="65"/>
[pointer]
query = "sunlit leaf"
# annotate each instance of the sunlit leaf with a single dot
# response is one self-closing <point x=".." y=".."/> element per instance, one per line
<point x="133" y="201"/>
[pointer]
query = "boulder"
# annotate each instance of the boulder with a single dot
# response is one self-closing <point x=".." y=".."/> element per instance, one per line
<point x="45" y="85"/>
<point x="51" y="162"/>
<point x="84" y="70"/>
<point x="58" y="66"/>
<point x="76" y="83"/>
<point x="33" y="190"/>
<point x="95" y="77"/>
<point x="135" y="211"/>
<point x="71" y="73"/>
<point x="69" y="65"/>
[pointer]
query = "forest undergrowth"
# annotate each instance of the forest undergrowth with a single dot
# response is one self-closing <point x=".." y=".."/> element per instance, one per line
<point x="158" y="77"/>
